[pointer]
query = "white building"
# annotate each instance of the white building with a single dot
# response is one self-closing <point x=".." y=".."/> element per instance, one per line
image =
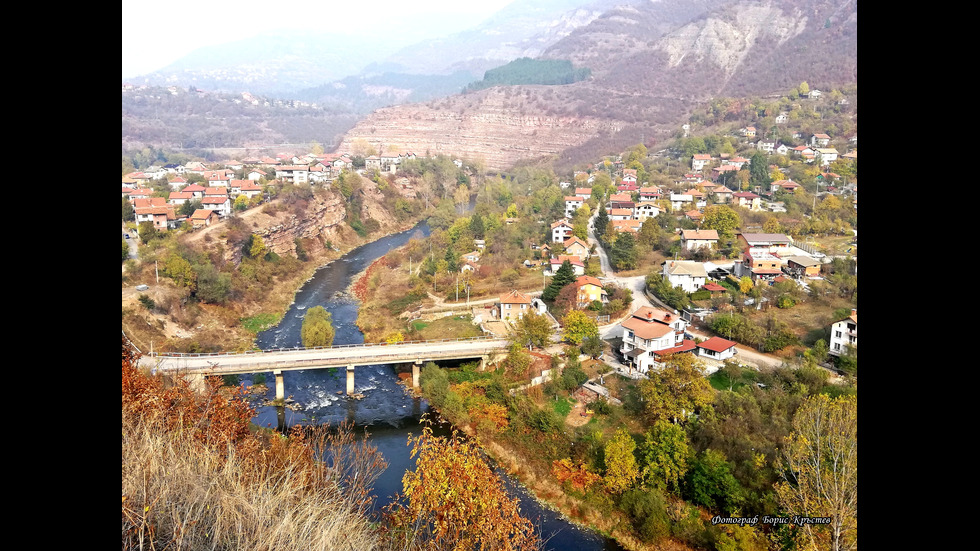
<point x="650" y="333"/>
<point x="689" y="276"/>
<point x="843" y="333"/>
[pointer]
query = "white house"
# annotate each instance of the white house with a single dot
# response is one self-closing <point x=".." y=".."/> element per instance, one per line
<point x="649" y="333"/>
<point x="689" y="276"/>
<point x="717" y="348"/>
<point x="694" y="239"/>
<point x="843" y="333"/>
<point x="572" y="204"/>
<point x="560" y="231"/>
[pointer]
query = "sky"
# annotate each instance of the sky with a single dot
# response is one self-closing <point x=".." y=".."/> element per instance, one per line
<point x="155" y="34"/>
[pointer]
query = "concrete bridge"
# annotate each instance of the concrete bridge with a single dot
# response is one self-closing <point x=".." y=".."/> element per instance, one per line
<point x="197" y="366"/>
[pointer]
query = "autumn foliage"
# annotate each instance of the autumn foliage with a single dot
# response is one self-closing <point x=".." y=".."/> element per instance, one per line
<point x="580" y="478"/>
<point x="456" y="501"/>
<point x="195" y="476"/>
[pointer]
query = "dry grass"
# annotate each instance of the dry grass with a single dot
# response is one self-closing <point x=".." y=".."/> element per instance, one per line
<point x="194" y="476"/>
<point x="180" y="495"/>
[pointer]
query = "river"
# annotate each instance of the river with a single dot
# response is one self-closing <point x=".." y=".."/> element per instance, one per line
<point x="386" y="412"/>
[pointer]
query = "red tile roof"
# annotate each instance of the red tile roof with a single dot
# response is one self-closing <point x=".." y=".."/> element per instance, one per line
<point x="716" y="344"/>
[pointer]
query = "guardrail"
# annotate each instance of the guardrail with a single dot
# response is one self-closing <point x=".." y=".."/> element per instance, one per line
<point x="299" y="348"/>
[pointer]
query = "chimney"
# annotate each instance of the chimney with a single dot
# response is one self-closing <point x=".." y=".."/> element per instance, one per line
<point x="649" y="315"/>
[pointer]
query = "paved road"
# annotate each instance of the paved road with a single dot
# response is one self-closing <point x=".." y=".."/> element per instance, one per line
<point x="640" y="298"/>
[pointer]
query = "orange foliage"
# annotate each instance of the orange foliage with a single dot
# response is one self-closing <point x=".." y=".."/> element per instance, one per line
<point x="580" y="478"/>
<point x="456" y="501"/>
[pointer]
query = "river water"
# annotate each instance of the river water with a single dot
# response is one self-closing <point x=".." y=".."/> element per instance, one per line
<point x="386" y="412"/>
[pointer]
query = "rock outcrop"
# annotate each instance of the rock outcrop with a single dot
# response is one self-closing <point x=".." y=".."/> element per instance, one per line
<point x="499" y="126"/>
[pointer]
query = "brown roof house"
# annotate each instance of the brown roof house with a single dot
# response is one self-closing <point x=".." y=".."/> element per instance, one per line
<point x="514" y="305"/>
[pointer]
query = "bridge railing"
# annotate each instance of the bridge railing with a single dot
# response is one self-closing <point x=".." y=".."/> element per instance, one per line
<point x="338" y="347"/>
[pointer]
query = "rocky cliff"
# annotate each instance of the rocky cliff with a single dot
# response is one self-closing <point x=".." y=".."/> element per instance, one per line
<point x="500" y="126"/>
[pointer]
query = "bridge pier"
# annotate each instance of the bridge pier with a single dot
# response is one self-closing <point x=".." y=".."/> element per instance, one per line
<point x="198" y="382"/>
<point x="280" y="386"/>
<point x="483" y="362"/>
<point x="415" y="373"/>
<point x="350" y="380"/>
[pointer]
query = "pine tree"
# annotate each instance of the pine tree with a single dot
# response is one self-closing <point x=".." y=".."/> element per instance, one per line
<point x="563" y="276"/>
<point x="601" y="221"/>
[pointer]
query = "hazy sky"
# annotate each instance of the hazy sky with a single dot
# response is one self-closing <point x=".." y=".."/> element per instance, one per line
<point x="155" y="34"/>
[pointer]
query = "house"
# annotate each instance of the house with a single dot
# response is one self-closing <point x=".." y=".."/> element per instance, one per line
<point x="717" y="171"/>
<point x="747" y="199"/>
<point x="646" y="209"/>
<point x="722" y="194"/>
<point x="620" y="214"/>
<point x="513" y="306"/>
<point x="819" y="140"/>
<point x="777" y="243"/>
<point x="217" y="203"/>
<point x="578" y="267"/>
<point x="572" y="204"/>
<point x="196" y="190"/>
<point x="589" y="290"/>
<point x="180" y="197"/>
<point x="255" y="174"/>
<point x="678" y="200"/>
<point x="748" y="131"/>
<point x="717" y="348"/>
<point x="738" y="162"/>
<point x="827" y="155"/>
<point x="651" y="330"/>
<point x="161" y="216"/>
<point x="781" y="149"/>
<point x="576" y="247"/>
<point x="649" y="193"/>
<point x="766" y="145"/>
<point x="699" y="161"/>
<point x="177" y="183"/>
<point x="759" y="265"/>
<point x="689" y="276"/>
<point x="250" y="189"/>
<point x="293" y="174"/>
<point x="806" y="153"/>
<point x="844" y="333"/>
<point x="629" y="175"/>
<point x="204" y="218"/>
<point x="785" y="185"/>
<point x="626" y="226"/>
<point x="473" y="256"/>
<point x="372" y="162"/>
<point x="782" y="118"/>
<point x="583" y="193"/>
<point x="802" y="266"/>
<point x="694" y="214"/>
<point x="693" y="239"/>
<point x="560" y="231"/>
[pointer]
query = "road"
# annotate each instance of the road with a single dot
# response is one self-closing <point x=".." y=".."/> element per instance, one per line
<point x="640" y="298"/>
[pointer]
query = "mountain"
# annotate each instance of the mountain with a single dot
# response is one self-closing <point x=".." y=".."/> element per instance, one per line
<point x="651" y="63"/>
<point x="282" y="63"/>
<point x="521" y="29"/>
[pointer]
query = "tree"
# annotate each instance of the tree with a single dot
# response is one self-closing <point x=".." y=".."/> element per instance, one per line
<point x="677" y="390"/>
<point x="711" y="482"/>
<point x="624" y="255"/>
<point x="578" y="326"/>
<point x="212" y="285"/>
<point x="147" y="231"/>
<point x="759" y="170"/>
<point x="532" y="329"/>
<point x="241" y="202"/>
<point x="128" y="212"/>
<point x="456" y="501"/>
<point x="592" y="346"/>
<point x="563" y="276"/>
<point x="258" y="248"/>
<point x="820" y="471"/>
<point x="621" y="469"/>
<point x="317" y="329"/>
<point x="665" y="454"/>
<point x="804" y="89"/>
<point x="722" y="219"/>
<point x="125" y="250"/>
<point x="179" y="270"/>
<point x="601" y="221"/>
<point x="476" y="226"/>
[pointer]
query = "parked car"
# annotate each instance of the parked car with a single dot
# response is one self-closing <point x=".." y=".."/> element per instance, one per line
<point x="142" y="287"/>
